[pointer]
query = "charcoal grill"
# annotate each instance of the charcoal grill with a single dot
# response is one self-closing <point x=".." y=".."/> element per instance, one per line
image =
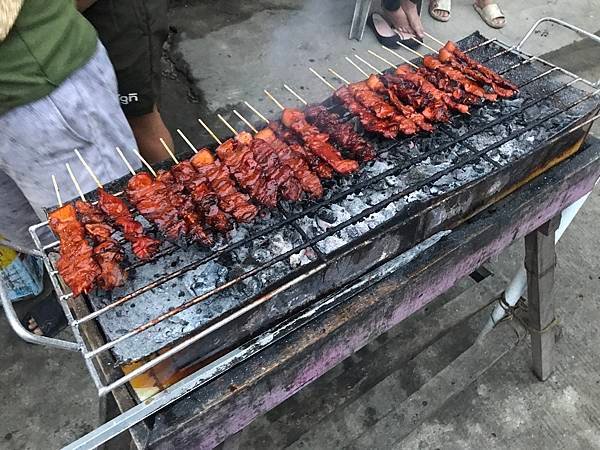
<point x="205" y="311"/>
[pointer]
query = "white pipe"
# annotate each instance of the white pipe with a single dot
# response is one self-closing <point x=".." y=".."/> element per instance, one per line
<point x="518" y="284"/>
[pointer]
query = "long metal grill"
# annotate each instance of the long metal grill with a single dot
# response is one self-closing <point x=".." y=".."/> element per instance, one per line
<point x="185" y="296"/>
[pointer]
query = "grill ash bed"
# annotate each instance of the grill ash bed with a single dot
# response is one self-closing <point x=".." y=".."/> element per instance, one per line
<point x="209" y="309"/>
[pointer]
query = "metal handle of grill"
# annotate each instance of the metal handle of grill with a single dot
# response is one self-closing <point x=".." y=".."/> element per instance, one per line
<point x="25" y="334"/>
<point x="564" y="24"/>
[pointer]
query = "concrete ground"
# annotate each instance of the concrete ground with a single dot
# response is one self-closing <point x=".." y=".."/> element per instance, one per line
<point x="224" y="52"/>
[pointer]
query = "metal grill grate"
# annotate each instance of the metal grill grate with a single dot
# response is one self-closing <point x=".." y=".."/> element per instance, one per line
<point x="413" y="172"/>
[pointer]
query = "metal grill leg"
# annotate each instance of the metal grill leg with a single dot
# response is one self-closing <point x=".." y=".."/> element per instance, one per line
<point x="359" y="19"/>
<point x="540" y="261"/>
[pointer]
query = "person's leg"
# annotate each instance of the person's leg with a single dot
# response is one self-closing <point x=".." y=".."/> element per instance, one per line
<point x="134" y="33"/>
<point x="148" y="129"/>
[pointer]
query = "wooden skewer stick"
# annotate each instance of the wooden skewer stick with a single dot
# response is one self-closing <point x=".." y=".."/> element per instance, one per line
<point x="144" y="162"/>
<point x="369" y="65"/>
<point x="243" y="119"/>
<point x="88" y="168"/>
<point x="187" y="141"/>
<point x="255" y="111"/>
<point x="227" y="124"/>
<point x="295" y="94"/>
<point x="335" y="74"/>
<point x="325" y="82"/>
<point x="322" y="78"/>
<point x="131" y="170"/>
<point x="357" y="67"/>
<point x="213" y="135"/>
<point x="400" y="56"/>
<point x="434" y="39"/>
<point x="391" y="64"/>
<point x="274" y="99"/>
<point x="406" y="47"/>
<point x="75" y="182"/>
<point x="424" y="45"/>
<point x="56" y="191"/>
<point x="169" y="151"/>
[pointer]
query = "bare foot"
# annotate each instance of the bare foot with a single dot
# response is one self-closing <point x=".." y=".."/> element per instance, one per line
<point x="498" y="21"/>
<point x="398" y="20"/>
<point x="412" y="14"/>
<point x="34" y="328"/>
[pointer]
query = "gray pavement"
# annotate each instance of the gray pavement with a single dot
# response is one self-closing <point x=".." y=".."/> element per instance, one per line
<point x="225" y="52"/>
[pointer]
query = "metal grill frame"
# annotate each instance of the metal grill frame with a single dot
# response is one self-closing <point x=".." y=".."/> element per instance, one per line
<point x="254" y="346"/>
<point x="322" y="261"/>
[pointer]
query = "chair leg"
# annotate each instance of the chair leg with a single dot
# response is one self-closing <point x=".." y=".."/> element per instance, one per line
<point x="359" y="19"/>
<point x="540" y="262"/>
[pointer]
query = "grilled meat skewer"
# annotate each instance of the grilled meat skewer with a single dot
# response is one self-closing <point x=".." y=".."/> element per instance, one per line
<point x="143" y="246"/>
<point x="467" y="60"/>
<point x="323" y="170"/>
<point x="107" y="252"/>
<point x="217" y="176"/>
<point x="468" y="85"/>
<point x="204" y="198"/>
<point x="309" y="181"/>
<point x="341" y="133"/>
<point x="76" y="263"/>
<point x="317" y="142"/>
<point x="451" y="60"/>
<point x="185" y="207"/>
<point x="369" y="121"/>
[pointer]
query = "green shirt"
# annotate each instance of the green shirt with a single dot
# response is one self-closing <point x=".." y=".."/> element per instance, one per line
<point x="47" y="43"/>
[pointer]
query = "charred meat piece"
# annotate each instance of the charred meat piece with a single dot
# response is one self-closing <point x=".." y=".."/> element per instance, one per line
<point x="276" y="170"/>
<point x="484" y="70"/>
<point x="107" y="252"/>
<point x="185" y="207"/>
<point x="317" y="142"/>
<point x="467" y="84"/>
<point x="423" y="84"/>
<point x="309" y="181"/>
<point x="154" y="201"/>
<point x="342" y="133"/>
<point x="203" y="197"/>
<point x="381" y="108"/>
<point x="323" y="170"/>
<point x="449" y="86"/>
<point x="238" y="156"/>
<point x="219" y="180"/>
<point x="368" y="120"/>
<point x="394" y="92"/>
<point x="143" y="246"/>
<point x="76" y="264"/>
<point x="451" y="60"/>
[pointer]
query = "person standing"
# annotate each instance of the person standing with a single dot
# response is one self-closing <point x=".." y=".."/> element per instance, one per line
<point x="58" y="92"/>
<point x="134" y="32"/>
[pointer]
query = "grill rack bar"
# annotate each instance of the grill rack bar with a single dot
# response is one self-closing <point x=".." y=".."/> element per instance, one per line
<point x="104" y="389"/>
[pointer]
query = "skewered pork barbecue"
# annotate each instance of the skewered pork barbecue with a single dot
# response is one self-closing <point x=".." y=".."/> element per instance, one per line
<point x="282" y="161"/>
<point x="76" y="263"/>
<point x="317" y="142"/>
<point x="143" y="246"/>
<point x="342" y="133"/>
<point x="229" y="199"/>
<point x="107" y="252"/>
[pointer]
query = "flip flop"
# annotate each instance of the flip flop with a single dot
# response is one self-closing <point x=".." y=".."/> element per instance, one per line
<point x="408" y="39"/>
<point x="383" y="31"/>
<point x="489" y="13"/>
<point x="440" y="5"/>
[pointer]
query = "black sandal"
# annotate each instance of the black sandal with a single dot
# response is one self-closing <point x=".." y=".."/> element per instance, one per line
<point x="388" y="39"/>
